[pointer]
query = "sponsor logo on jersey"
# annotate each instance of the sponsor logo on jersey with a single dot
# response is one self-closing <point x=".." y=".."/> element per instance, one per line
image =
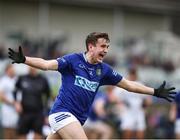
<point x="85" y="83"/>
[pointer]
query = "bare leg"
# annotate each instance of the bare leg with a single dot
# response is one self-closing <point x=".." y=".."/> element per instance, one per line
<point x="140" y="135"/>
<point x="104" y="130"/>
<point x="9" y="133"/>
<point x="127" y="134"/>
<point x="91" y="133"/>
<point x="22" y="137"/>
<point x="177" y="136"/>
<point x="73" y="130"/>
<point x="53" y="136"/>
<point x="37" y="136"/>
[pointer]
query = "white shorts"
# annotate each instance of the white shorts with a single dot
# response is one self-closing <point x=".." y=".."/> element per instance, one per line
<point x="61" y="119"/>
<point x="132" y="121"/>
<point x="9" y="117"/>
<point x="177" y="126"/>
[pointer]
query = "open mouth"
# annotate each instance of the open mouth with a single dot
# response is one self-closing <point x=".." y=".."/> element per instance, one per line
<point x="101" y="56"/>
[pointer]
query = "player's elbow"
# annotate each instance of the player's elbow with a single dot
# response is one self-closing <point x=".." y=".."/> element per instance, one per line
<point x="51" y="65"/>
<point x="48" y="65"/>
<point x="45" y="67"/>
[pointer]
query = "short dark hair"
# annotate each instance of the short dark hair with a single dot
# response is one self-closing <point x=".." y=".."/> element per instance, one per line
<point x="94" y="36"/>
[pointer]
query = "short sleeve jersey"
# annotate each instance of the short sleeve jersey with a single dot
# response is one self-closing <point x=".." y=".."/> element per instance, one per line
<point x="80" y="83"/>
<point x="35" y="90"/>
<point x="102" y="97"/>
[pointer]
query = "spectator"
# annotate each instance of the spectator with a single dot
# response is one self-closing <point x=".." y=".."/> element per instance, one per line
<point x="99" y="125"/>
<point x="133" y="114"/>
<point x="82" y="75"/>
<point x="2" y="52"/>
<point x="9" y="116"/>
<point x="175" y="115"/>
<point x="31" y="107"/>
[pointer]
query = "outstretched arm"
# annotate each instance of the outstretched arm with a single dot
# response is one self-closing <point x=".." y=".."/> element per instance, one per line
<point x="41" y="63"/>
<point x="18" y="57"/>
<point x="161" y="91"/>
<point x="136" y="87"/>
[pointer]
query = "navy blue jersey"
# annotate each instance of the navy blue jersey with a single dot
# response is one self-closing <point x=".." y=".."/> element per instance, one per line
<point x="177" y="100"/>
<point x="92" y="113"/>
<point x="80" y="82"/>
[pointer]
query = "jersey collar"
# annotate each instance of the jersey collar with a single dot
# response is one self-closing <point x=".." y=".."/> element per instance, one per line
<point x="84" y="55"/>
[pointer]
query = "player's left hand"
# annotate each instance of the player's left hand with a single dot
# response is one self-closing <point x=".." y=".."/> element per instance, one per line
<point x="166" y="93"/>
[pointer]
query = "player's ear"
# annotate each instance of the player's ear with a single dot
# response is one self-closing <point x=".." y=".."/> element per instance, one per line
<point x="90" y="45"/>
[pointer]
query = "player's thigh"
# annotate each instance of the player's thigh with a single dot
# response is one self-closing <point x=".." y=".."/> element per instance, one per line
<point x="66" y="125"/>
<point x="73" y="130"/>
<point x="52" y="136"/>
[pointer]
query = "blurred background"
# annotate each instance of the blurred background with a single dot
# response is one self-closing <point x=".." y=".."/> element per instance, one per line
<point x="144" y="34"/>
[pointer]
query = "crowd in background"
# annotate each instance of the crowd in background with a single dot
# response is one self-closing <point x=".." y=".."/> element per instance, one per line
<point x="115" y="113"/>
<point x="145" y="35"/>
<point x="25" y="102"/>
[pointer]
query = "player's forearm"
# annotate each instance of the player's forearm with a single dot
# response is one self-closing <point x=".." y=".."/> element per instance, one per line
<point x="135" y="87"/>
<point x="140" y="88"/>
<point x="37" y="63"/>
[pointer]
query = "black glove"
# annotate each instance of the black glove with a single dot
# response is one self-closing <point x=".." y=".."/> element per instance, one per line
<point x="166" y="93"/>
<point x="17" y="57"/>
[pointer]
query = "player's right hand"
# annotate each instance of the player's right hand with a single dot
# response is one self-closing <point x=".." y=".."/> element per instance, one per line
<point x="17" y="57"/>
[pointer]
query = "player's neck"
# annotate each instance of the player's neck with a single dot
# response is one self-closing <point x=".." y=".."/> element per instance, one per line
<point x="89" y="58"/>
